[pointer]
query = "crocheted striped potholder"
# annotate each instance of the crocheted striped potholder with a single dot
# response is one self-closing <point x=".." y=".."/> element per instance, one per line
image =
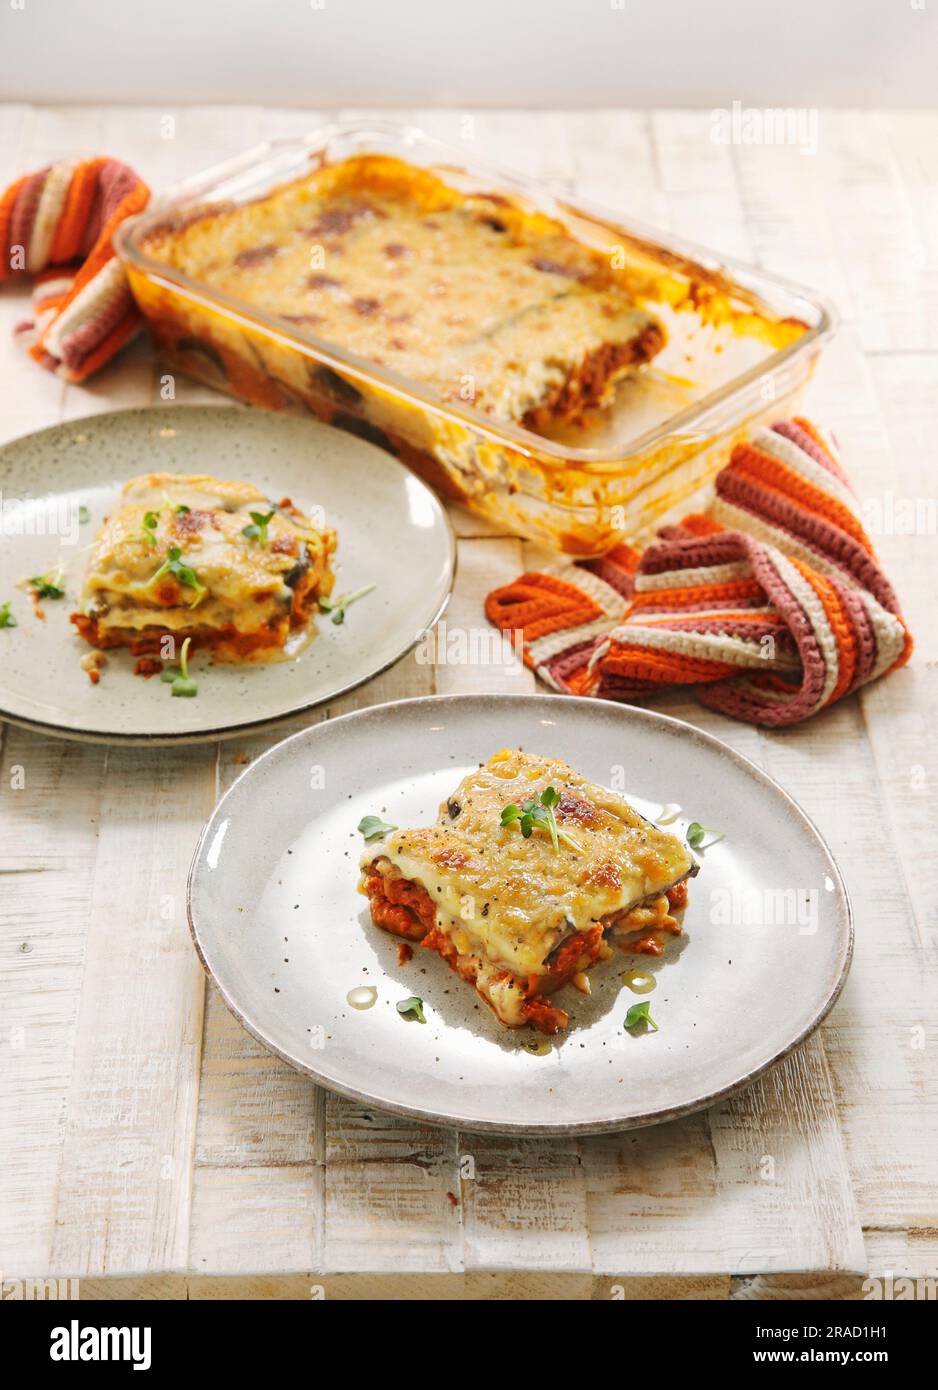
<point x="56" y="226"/>
<point x="772" y="604"/>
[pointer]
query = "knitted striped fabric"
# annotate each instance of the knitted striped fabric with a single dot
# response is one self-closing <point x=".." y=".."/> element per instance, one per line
<point x="56" y="225"/>
<point x="772" y="604"/>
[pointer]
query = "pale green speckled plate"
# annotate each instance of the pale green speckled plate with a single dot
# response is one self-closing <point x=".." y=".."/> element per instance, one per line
<point x="58" y="484"/>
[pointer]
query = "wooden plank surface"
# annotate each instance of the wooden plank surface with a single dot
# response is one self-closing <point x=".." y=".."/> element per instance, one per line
<point x="145" y="1134"/>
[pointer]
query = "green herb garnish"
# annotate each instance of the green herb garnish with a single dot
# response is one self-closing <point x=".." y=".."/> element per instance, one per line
<point x="258" y="531"/>
<point x="150" y="521"/>
<point x="183" y="684"/>
<point x="84" y="516"/>
<point x="411" y="1008"/>
<point x="48" y="585"/>
<point x="6" y="617"/>
<point x="539" y="812"/>
<point x="175" y="565"/>
<point x="638" y="1013"/>
<point x="696" y="833"/>
<point x="337" y="606"/>
<point x="374" y="828"/>
<point x="175" y="506"/>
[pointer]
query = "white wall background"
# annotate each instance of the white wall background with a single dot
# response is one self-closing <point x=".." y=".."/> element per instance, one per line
<point x="472" y="52"/>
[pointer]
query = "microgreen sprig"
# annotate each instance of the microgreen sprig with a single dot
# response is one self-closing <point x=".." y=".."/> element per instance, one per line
<point x="257" y="531"/>
<point x="150" y="522"/>
<point x="411" y="1008"/>
<point x="176" y="566"/>
<point x="336" y="606"/>
<point x="539" y="812"/>
<point x="374" y="828"/>
<point x="696" y="833"/>
<point x="638" y="1013"/>
<point x="48" y="585"/>
<point x="182" y="682"/>
<point x="6" y="617"/>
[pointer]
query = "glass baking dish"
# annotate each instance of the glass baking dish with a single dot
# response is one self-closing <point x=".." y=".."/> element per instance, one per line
<point x="741" y="347"/>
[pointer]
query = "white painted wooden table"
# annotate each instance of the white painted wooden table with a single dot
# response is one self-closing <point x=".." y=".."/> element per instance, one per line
<point x="149" y="1145"/>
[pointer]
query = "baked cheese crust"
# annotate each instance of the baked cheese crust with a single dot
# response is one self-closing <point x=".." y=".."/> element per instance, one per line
<point x="521" y="915"/>
<point x="173" y="558"/>
<point x="469" y="294"/>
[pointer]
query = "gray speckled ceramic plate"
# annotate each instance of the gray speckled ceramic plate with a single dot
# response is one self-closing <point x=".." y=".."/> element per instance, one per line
<point x="57" y="485"/>
<point x="280" y="926"/>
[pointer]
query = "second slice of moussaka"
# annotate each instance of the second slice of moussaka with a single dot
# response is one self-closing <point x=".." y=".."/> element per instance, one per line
<point x="469" y="294"/>
<point x="199" y="557"/>
<point x="519" y="907"/>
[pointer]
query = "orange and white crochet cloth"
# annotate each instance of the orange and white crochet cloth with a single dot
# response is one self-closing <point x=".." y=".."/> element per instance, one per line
<point x="772" y="605"/>
<point x="56" y="227"/>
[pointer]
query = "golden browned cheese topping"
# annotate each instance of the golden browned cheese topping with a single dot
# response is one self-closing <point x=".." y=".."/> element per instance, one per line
<point x="242" y="580"/>
<point x="468" y="294"/>
<point x="513" y="898"/>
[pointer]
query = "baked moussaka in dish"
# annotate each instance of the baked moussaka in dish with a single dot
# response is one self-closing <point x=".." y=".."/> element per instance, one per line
<point x="195" y="556"/>
<point x="524" y="878"/>
<point x="481" y="300"/>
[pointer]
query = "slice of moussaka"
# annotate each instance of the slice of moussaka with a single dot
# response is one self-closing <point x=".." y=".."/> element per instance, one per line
<point x="194" y="556"/>
<point x="471" y="294"/>
<point x="526" y="875"/>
